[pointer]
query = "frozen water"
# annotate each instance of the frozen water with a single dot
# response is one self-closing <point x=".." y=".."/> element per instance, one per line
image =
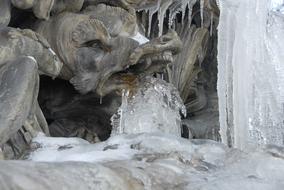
<point x="165" y="4"/>
<point x="202" y="12"/>
<point x="180" y="7"/>
<point x="251" y="72"/>
<point x="275" y="4"/>
<point x="152" y="161"/>
<point x="174" y="7"/>
<point x="148" y="156"/>
<point x="152" y="11"/>
<point x="154" y="107"/>
<point x="76" y="149"/>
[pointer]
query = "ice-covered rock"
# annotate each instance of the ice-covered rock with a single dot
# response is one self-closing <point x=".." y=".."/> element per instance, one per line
<point x="251" y="72"/>
<point x="150" y="161"/>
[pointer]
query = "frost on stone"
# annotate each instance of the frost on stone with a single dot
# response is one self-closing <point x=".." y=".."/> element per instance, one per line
<point x="251" y="72"/>
<point x="155" y="107"/>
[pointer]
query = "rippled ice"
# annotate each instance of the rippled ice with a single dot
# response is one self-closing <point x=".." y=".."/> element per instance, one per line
<point x="159" y="161"/>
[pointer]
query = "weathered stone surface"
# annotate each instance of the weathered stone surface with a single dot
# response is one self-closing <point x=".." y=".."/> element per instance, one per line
<point x="5" y="12"/>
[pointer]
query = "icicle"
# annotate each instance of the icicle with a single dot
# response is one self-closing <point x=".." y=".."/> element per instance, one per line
<point x="180" y="7"/>
<point x="174" y="9"/>
<point x="170" y="24"/>
<point x="201" y="12"/>
<point x="150" y="21"/>
<point x="189" y="15"/>
<point x="120" y="112"/>
<point x="161" y="15"/>
<point x="190" y="5"/>
<point x="124" y="103"/>
<point x="211" y="23"/>
<point x="183" y="11"/>
<point x="101" y="100"/>
<point x="172" y="17"/>
<point x="152" y="11"/>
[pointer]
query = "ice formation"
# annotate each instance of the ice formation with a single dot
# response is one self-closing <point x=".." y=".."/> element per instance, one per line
<point x="147" y="161"/>
<point x="251" y="72"/>
<point x="155" y="107"/>
<point x="174" y="7"/>
<point x="202" y="12"/>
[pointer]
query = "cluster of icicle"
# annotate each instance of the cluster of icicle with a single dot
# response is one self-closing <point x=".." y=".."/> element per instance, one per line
<point x="251" y="72"/>
<point x="174" y="7"/>
<point x="155" y="107"/>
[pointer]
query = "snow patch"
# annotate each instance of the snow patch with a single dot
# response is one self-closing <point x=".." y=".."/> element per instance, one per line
<point x="140" y="38"/>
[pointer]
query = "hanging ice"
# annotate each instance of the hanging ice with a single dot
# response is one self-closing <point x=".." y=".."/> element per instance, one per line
<point x="152" y="11"/>
<point x="162" y="13"/>
<point x="155" y="107"/>
<point x="174" y="7"/>
<point x="211" y="23"/>
<point x="180" y="7"/>
<point x="251" y="72"/>
<point x="202" y="12"/>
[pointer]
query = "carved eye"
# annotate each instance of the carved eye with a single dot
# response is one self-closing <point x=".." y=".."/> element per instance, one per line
<point x="93" y="43"/>
<point x="97" y="44"/>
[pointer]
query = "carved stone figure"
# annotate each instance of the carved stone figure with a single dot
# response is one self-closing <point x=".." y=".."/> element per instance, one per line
<point x="95" y="49"/>
<point x="90" y="49"/>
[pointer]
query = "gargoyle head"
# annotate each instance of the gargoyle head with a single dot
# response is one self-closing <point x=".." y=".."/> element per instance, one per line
<point x="99" y="52"/>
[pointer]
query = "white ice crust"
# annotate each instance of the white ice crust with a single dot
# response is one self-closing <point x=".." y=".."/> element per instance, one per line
<point x="163" y="161"/>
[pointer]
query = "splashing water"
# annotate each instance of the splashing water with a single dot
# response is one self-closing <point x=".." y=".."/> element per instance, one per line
<point x="155" y="108"/>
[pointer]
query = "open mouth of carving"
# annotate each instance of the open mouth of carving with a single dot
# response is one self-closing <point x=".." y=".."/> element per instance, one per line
<point x="129" y="78"/>
<point x="147" y="59"/>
